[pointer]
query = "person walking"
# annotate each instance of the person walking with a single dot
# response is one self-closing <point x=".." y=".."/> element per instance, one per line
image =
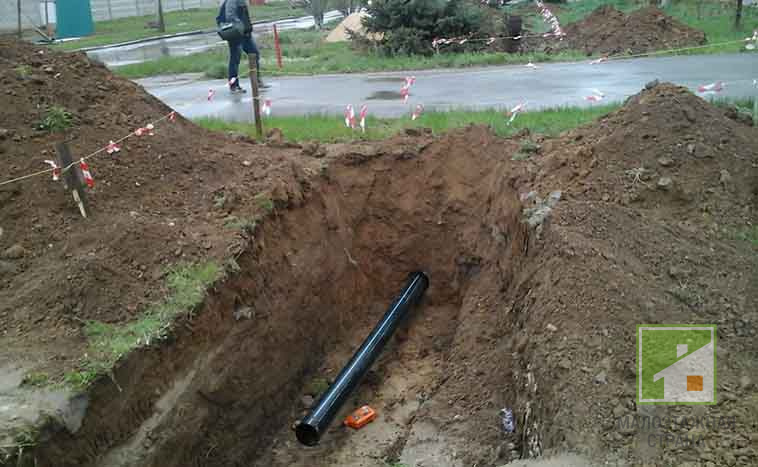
<point x="236" y="11"/>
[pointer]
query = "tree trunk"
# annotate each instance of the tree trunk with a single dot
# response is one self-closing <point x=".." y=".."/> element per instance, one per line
<point x="738" y="15"/>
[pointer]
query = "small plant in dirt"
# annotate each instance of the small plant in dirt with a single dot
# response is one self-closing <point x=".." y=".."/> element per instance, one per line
<point x="245" y="225"/>
<point x="80" y="379"/>
<point x="56" y="119"/>
<point x="23" y="71"/>
<point x="35" y="379"/>
<point x="219" y="201"/>
<point x="22" y="442"/>
<point x="265" y="202"/>
<point x="528" y="149"/>
<point x="187" y="284"/>
<point x="749" y="234"/>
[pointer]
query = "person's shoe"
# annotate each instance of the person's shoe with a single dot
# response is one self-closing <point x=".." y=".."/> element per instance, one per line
<point x="237" y="90"/>
<point x="261" y="85"/>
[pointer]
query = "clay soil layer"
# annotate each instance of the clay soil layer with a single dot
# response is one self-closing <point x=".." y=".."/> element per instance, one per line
<point x="541" y="268"/>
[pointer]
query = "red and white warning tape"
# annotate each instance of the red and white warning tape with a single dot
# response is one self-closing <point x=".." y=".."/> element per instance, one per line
<point x="712" y="88"/>
<point x="362" y="115"/>
<point x="551" y="20"/>
<point x="146" y="130"/>
<point x="266" y="107"/>
<point x="86" y="173"/>
<point x="349" y="116"/>
<point x="515" y="111"/>
<point x="417" y="111"/>
<point x="596" y="96"/>
<point x="112" y="147"/>
<point x="56" y="170"/>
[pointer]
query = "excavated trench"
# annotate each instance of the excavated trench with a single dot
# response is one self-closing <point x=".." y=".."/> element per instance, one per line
<point x="227" y="387"/>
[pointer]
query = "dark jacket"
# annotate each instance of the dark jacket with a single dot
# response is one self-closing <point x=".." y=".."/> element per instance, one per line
<point x="236" y="11"/>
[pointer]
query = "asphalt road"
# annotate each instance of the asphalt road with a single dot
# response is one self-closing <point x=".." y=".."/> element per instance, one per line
<point x="502" y="87"/>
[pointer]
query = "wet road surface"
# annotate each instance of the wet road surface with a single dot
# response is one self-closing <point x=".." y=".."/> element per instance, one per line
<point x="550" y="85"/>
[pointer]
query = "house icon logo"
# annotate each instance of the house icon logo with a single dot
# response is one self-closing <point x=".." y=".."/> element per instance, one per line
<point x="676" y="364"/>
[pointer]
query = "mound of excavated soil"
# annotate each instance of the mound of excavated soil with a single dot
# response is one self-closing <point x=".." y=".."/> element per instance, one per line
<point x="657" y="194"/>
<point x="664" y="141"/>
<point x="540" y="270"/>
<point x="609" y="31"/>
<point x="155" y="203"/>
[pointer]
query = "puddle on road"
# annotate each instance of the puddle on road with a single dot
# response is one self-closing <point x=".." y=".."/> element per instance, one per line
<point x="384" y="96"/>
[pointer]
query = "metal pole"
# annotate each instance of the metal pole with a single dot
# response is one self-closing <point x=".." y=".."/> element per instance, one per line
<point x="110" y="10"/>
<point x="310" y="429"/>
<point x="277" y="47"/>
<point x="20" y="30"/>
<point x="252" y="60"/>
<point x="47" y="17"/>
<point x="161" y="22"/>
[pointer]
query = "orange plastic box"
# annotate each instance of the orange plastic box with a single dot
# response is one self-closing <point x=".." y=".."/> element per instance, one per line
<point x="361" y="417"/>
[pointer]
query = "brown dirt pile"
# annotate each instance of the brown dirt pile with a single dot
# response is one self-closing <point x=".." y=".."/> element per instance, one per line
<point x="608" y="31"/>
<point x="157" y="202"/>
<point x="658" y="194"/>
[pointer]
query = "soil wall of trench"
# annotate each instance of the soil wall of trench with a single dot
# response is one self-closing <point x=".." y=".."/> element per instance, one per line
<point x="227" y="380"/>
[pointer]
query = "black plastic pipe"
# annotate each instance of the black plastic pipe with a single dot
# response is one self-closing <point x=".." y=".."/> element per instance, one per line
<point x="310" y="429"/>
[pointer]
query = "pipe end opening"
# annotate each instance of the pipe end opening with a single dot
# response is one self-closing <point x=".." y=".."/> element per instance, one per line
<point x="307" y="434"/>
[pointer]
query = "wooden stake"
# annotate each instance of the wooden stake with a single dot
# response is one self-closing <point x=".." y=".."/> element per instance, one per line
<point x="72" y="179"/>
<point x="251" y="58"/>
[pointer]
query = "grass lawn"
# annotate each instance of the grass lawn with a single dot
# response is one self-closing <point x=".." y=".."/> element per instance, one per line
<point x="127" y="29"/>
<point x="332" y="128"/>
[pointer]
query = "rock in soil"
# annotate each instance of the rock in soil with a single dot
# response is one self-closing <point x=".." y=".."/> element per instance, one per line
<point x="307" y="402"/>
<point x="601" y="378"/>
<point x="13" y="252"/>
<point x="665" y="183"/>
<point x="7" y="268"/>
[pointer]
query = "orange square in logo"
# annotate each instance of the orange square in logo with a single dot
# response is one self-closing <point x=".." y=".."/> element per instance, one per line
<point x="694" y="383"/>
